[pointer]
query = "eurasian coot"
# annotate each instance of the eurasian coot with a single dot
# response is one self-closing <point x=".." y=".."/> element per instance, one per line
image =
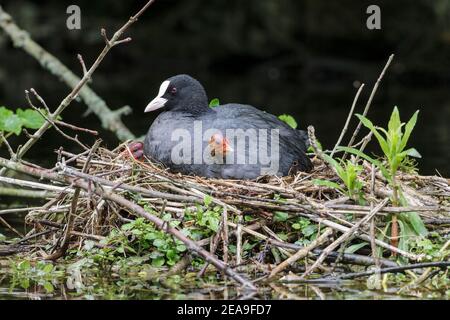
<point x="232" y="141"/>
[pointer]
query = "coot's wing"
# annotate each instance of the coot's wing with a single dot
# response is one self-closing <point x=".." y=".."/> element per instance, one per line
<point x="291" y="142"/>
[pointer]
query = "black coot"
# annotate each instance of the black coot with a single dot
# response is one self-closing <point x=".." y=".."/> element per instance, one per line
<point x="231" y="141"/>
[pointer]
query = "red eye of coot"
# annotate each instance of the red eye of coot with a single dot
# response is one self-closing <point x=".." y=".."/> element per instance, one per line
<point x="173" y="90"/>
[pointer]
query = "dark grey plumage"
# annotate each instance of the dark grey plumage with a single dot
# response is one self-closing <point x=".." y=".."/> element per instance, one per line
<point x="185" y="105"/>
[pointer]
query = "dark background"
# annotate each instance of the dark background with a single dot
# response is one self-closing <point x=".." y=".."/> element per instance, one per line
<point x="303" y="58"/>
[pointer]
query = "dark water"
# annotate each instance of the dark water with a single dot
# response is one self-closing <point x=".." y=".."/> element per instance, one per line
<point x="297" y="57"/>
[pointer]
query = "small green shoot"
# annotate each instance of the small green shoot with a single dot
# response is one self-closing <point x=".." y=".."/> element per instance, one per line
<point x="289" y="120"/>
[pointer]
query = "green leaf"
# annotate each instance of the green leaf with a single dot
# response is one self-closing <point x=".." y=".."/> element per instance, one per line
<point x="158" y="262"/>
<point x="159" y="243"/>
<point x="207" y="200"/>
<point x="48" y="287"/>
<point x="366" y="157"/>
<point x="280" y="216"/>
<point x="31" y="118"/>
<point x="408" y="129"/>
<point x="413" y="153"/>
<point x="48" y="268"/>
<point x="214" y="103"/>
<point x="25" y="283"/>
<point x="24" y="265"/>
<point x="296" y="226"/>
<point x="355" y="247"/>
<point x="289" y="120"/>
<point x="394" y="122"/>
<point x="326" y="183"/>
<point x="13" y="124"/>
<point x="416" y="223"/>
<point x="368" y="124"/>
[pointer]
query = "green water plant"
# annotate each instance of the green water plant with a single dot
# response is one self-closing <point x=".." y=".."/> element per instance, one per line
<point x="348" y="172"/>
<point x="393" y="142"/>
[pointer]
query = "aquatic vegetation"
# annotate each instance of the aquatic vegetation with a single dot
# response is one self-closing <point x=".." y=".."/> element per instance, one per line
<point x="348" y="172"/>
<point x="393" y="142"/>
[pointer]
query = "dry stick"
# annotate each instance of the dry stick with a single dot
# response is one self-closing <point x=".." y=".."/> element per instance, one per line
<point x="347" y="122"/>
<point x="7" y="225"/>
<point x="343" y="238"/>
<point x="364" y="237"/>
<point x="369" y="102"/>
<point x="302" y="252"/>
<point x="124" y="186"/>
<point x="6" y="23"/>
<point x="74" y="139"/>
<point x="225" y="235"/>
<point x="35" y="185"/>
<point x="239" y="240"/>
<point x="76" y="128"/>
<point x="373" y="245"/>
<point x="110" y="119"/>
<point x="73" y="210"/>
<point x="23" y="193"/>
<point x="214" y="243"/>
<point x="138" y="210"/>
<point x="8" y="146"/>
<point x="442" y="265"/>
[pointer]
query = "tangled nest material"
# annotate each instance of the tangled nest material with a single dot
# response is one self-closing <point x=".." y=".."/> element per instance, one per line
<point x="94" y="211"/>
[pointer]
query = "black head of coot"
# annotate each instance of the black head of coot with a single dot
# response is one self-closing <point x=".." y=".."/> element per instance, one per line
<point x="180" y="93"/>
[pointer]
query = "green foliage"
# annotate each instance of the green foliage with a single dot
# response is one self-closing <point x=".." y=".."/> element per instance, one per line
<point x="289" y="120"/>
<point x="11" y="122"/>
<point x="42" y="274"/>
<point x="348" y="172"/>
<point x="214" y="103"/>
<point x="144" y="237"/>
<point x="392" y="142"/>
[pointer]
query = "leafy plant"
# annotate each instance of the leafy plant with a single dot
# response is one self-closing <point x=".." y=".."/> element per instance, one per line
<point x="348" y="172"/>
<point x="144" y="237"/>
<point x="393" y="142"/>
<point x="42" y="274"/>
<point x="289" y="120"/>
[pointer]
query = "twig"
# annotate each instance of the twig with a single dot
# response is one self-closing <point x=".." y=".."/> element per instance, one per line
<point x="369" y="102"/>
<point x="343" y="237"/>
<point x="74" y="139"/>
<point x="347" y="122"/>
<point x="73" y="209"/>
<point x="10" y="150"/>
<point x="302" y="252"/>
<point x="83" y="65"/>
<point x="442" y="265"/>
<point x="225" y="239"/>
<point x="7" y="225"/>
<point x="76" y="128"/>
<point x="24" y="193"/>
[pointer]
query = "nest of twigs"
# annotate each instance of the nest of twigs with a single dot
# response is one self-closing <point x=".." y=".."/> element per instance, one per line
<point x="102" y="189"/>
